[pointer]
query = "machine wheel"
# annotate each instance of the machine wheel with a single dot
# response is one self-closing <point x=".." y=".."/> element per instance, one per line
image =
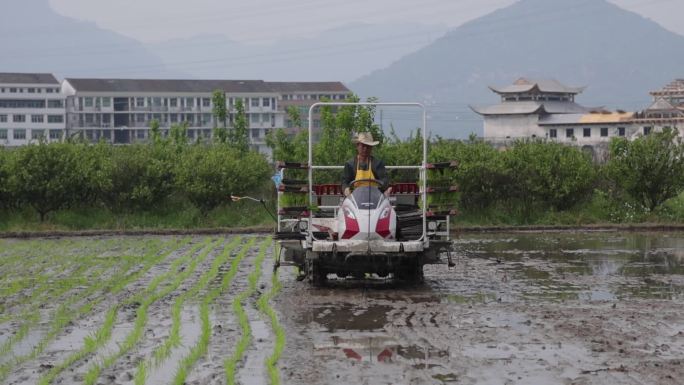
<point x="411" y="271"/>
<point x="317" y="275"/>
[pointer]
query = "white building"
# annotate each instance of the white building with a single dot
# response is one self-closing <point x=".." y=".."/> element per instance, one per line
<point x="523" y="105"/>
<point x="120" y="110"/>
<point x="31" y="108"/>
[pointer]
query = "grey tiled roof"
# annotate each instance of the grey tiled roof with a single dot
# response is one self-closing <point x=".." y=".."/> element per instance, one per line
<point x="308" y="86"/>
<point x="27" y="78"/>
<point x="543" y="85"/>
<point x="166" y="85"/>
<point x="524" y="108"/>
<point x="202" y="86"/>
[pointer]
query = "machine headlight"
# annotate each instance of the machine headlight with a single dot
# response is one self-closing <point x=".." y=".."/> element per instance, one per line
<point x="432" y="226"/>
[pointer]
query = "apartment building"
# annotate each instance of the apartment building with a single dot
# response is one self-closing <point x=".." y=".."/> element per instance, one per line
<point x="31" y="108"/>
<point x="120" y="110"/>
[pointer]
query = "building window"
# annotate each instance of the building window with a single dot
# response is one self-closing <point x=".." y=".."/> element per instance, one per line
<point x="31" y="90"/>
<point x="255" y="102"/>
<point x="553" y="133"/>
<point x="88" y="102"/>
<point x="140" y="102"/>
<point x="266" y="102"/>
<point x="254" y="118"/>
<point x="48" y="90"/>
<point x="255" y="133"/>
<point x="265" y="118"/>
<point x="140" y="134"/>
<point x="37" y="134"/>
<point x="621" y="131"/>
<point x="19" y="134"/>
<point x="55" y="103"/>
<point x="19" y="118"/>
<point x="569" y="132"/>
<point x="55" y="134"/>
<point x="106" y="102"/>
<point x="140" y="118"/>
<point x="37" y="118"/>
<point x="173" y="102"/>
<point x="55" y="119"/>
<point x="3" y="133"/>
<point x="206" y="102"/>
<point x="189" y="102"/>
<point x="647" y="130"/>
<point x="13" y="90"/>
<point x="604" y="131"/>
<point x="89" y="118"/>
<point x="587" y="133"/>
<point x="3" y="118"/>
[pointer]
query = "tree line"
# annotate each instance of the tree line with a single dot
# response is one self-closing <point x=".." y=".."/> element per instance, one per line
<point x="530" y="177"/>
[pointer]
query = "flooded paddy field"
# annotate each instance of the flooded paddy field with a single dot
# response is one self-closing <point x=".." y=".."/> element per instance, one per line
<point x="522" y="308"/>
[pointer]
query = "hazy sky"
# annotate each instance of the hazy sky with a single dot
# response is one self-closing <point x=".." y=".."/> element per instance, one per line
<point x="262" y="21"/>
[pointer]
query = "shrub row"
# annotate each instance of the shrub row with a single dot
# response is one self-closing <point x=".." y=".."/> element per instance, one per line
<point x="49" y="177"/>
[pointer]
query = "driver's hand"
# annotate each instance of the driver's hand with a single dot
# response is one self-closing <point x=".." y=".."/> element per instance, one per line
<point x="347" y="191"/>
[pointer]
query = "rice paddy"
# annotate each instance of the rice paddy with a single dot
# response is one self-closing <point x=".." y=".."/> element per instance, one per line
<point x="136" y="310"/>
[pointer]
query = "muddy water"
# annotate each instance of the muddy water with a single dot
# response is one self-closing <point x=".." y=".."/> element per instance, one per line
<point x="524" y="308"/>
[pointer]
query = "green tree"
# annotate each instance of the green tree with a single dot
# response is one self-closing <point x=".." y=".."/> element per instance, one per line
<point x="208" y="175"/>
<point x="650" y="169"/>
<point x="220" y="112"/>
<point x="47" y="176"/>
<point x="288" y="148"/>
<point x="293" y="115"/>
<point x="155" y="134"/>
<point x="179" y="135"/>
<point x="239" y="136"/>
<point x="7" y="198"/>
<point x="549" y="174"/>
<point x="136" y="178"/>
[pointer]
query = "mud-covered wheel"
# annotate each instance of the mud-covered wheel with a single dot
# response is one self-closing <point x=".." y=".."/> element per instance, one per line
<point x="317" y="275"/>
<point x="410" y="271"/>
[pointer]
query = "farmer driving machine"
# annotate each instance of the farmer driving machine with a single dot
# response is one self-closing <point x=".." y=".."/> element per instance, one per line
<point x="323" y="232"/>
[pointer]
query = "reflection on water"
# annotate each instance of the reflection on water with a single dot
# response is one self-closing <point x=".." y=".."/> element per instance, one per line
<point x="588" y="265"/>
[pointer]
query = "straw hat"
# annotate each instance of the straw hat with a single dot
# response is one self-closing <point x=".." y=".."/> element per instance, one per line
<point x="365" y="138"/>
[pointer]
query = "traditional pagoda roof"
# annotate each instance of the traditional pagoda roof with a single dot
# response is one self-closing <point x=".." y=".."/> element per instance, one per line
<point x="661" y="104"/>
<point x="529" y="107"/>
<point x="604" y="117"/>
<point x="676" y="87"/>
<point x="524" y="85"/>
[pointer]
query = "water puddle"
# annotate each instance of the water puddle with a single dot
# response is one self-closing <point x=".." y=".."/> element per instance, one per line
<point x="600" y="266"/>
<point x="349" y="317"/>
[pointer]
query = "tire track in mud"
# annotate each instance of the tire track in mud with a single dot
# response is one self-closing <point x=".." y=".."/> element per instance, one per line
<point x="77" y="305"/>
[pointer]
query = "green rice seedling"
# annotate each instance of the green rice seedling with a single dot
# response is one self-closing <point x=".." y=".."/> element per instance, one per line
<point x="231" y="363"/>
<point x="278" y="331"/>
<point x="146" y="298"/>
<point x="90" y="345"/>
<point x="112" y="286"/>
<point x="291" y="199"/>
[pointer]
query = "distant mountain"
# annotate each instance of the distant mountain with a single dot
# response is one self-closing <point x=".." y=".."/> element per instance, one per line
<point x="340" y="54"/>
<point x="34" y="38"/>
<point x="618" y="55"/>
